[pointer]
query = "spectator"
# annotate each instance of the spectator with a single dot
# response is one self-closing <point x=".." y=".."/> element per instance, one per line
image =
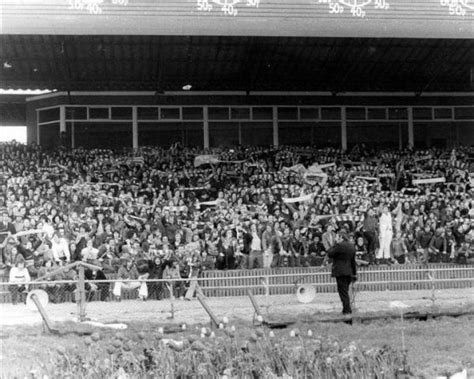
<point x="362" y="252"/>
<point x="254" y="242"/>
<point x="101" y="290"/>
<point x="155" y="289"/>
<point x="227" y="251"/>
<point x="385" y="235"/>
<point x="438" y="247"/>
<point x="370" y="227"/>
<point x="19" y="278"/>
<point x="172" y="271"/>
<point x="399" y="249"/>
<point x="128" y="271"/>
<point x="329" y="237"/>
<point x="316" y="251"/>
<point x="60" y="249"/>
<point x="89" y="253"/>
<point x="164" y="207"/>
<point x="423" y="243"/>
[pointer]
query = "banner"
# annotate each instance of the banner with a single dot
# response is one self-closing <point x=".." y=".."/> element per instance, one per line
<point x="211" y="203"/>
<point x="298" y="199"/>
<point x="326" y="165"/>
<point x="319" y="167"/>
<point x="199" y="160"/>
<point x="28" y="232"/>
<point x="368" y="178"/>
<point x="298" y="168"/>
<point x="131" y="161"/>
<point x="426" y="157"/>
<point x="316" y="178"/>
<point x="193" y="188"/>
<point x="429" y="181"/>
<point x="136" y="160"/>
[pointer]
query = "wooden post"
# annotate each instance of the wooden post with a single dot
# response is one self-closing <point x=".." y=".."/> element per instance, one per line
<point x="44" y="315"/>
<point x="170" y="289"/>
<point x="254" y="302"/>
<point x="82" y="295"/>
<point x="214" y="320"/>
<point x="266" y="285"/>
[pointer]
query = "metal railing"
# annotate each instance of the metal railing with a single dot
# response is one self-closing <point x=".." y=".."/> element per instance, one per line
<point x="272" y="281"/>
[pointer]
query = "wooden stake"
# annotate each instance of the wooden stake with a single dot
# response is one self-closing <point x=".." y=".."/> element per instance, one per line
<point x="170" y="289"/>
<point x="254" y="302"/>
<point x="82" y="295"/>
<point x="214" y="320"/>
<point x="44" y="315"/>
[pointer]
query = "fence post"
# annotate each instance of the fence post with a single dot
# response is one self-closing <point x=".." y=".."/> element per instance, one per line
<point x="82" y="295"/>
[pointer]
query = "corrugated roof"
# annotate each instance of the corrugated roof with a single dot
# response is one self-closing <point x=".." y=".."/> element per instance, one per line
<point x="235" y="63"/>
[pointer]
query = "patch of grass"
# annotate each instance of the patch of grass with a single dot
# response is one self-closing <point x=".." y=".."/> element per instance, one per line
<point x="434" y="347"/>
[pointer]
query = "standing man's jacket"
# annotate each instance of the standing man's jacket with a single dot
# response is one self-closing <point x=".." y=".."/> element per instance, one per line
<point x="344" y="263"/>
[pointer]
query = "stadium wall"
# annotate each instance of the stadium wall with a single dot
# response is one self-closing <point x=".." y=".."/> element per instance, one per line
<point x="146" y="118"/>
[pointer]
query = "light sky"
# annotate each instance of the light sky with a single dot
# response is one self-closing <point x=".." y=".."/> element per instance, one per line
<point x="9" y="133"/>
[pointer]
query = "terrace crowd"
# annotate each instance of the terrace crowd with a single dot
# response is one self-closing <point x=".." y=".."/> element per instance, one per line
<point x="172" y="213"/>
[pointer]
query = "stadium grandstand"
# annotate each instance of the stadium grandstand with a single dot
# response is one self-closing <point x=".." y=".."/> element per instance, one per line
<point x="190" y="139"/>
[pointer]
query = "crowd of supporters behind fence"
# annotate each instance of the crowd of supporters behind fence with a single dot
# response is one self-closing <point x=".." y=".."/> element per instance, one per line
<point x="172" y="213"/>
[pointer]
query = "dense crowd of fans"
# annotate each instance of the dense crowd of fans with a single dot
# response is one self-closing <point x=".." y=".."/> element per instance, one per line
<point x="156" y="213"/>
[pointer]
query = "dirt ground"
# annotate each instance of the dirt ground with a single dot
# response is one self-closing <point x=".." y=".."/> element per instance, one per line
<point x="234" y="308"/>
<point x="434" y="347"/>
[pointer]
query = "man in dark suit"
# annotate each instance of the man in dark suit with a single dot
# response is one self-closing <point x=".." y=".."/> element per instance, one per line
<point x="344" y="269"/>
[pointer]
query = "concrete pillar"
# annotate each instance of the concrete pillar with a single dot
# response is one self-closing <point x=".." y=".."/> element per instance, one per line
<point x="73" y="140"/>
<point x="240" y="134"/>
<point x="456" y="142"/>
<point x="343" y="129"/>
<point x="276" y="138"/>
<point x="134" y="128"/>
<point x="62" y="119"/>
<point x="411" y="137"/>
<point x="37" y="128"/>
<point x="400" y="137"/>
<point x="206" y="126"/>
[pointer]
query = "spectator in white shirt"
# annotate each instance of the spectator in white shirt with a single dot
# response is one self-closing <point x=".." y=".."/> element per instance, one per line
<point x="60" y="249"/>
<point x="385" y="235"/>
<point x="47" y="228"/>
<point x="89" y="253"/>
<point x="18" y="278"/>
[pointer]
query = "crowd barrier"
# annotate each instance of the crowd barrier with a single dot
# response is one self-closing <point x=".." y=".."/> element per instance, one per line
<point x="281" y="281"/>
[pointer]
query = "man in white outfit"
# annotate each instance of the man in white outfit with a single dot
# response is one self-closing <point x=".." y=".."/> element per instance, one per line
<point x="385" y="235"/>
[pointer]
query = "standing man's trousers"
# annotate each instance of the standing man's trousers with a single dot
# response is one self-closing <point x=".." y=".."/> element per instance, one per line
<point x="343" y="283"/>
